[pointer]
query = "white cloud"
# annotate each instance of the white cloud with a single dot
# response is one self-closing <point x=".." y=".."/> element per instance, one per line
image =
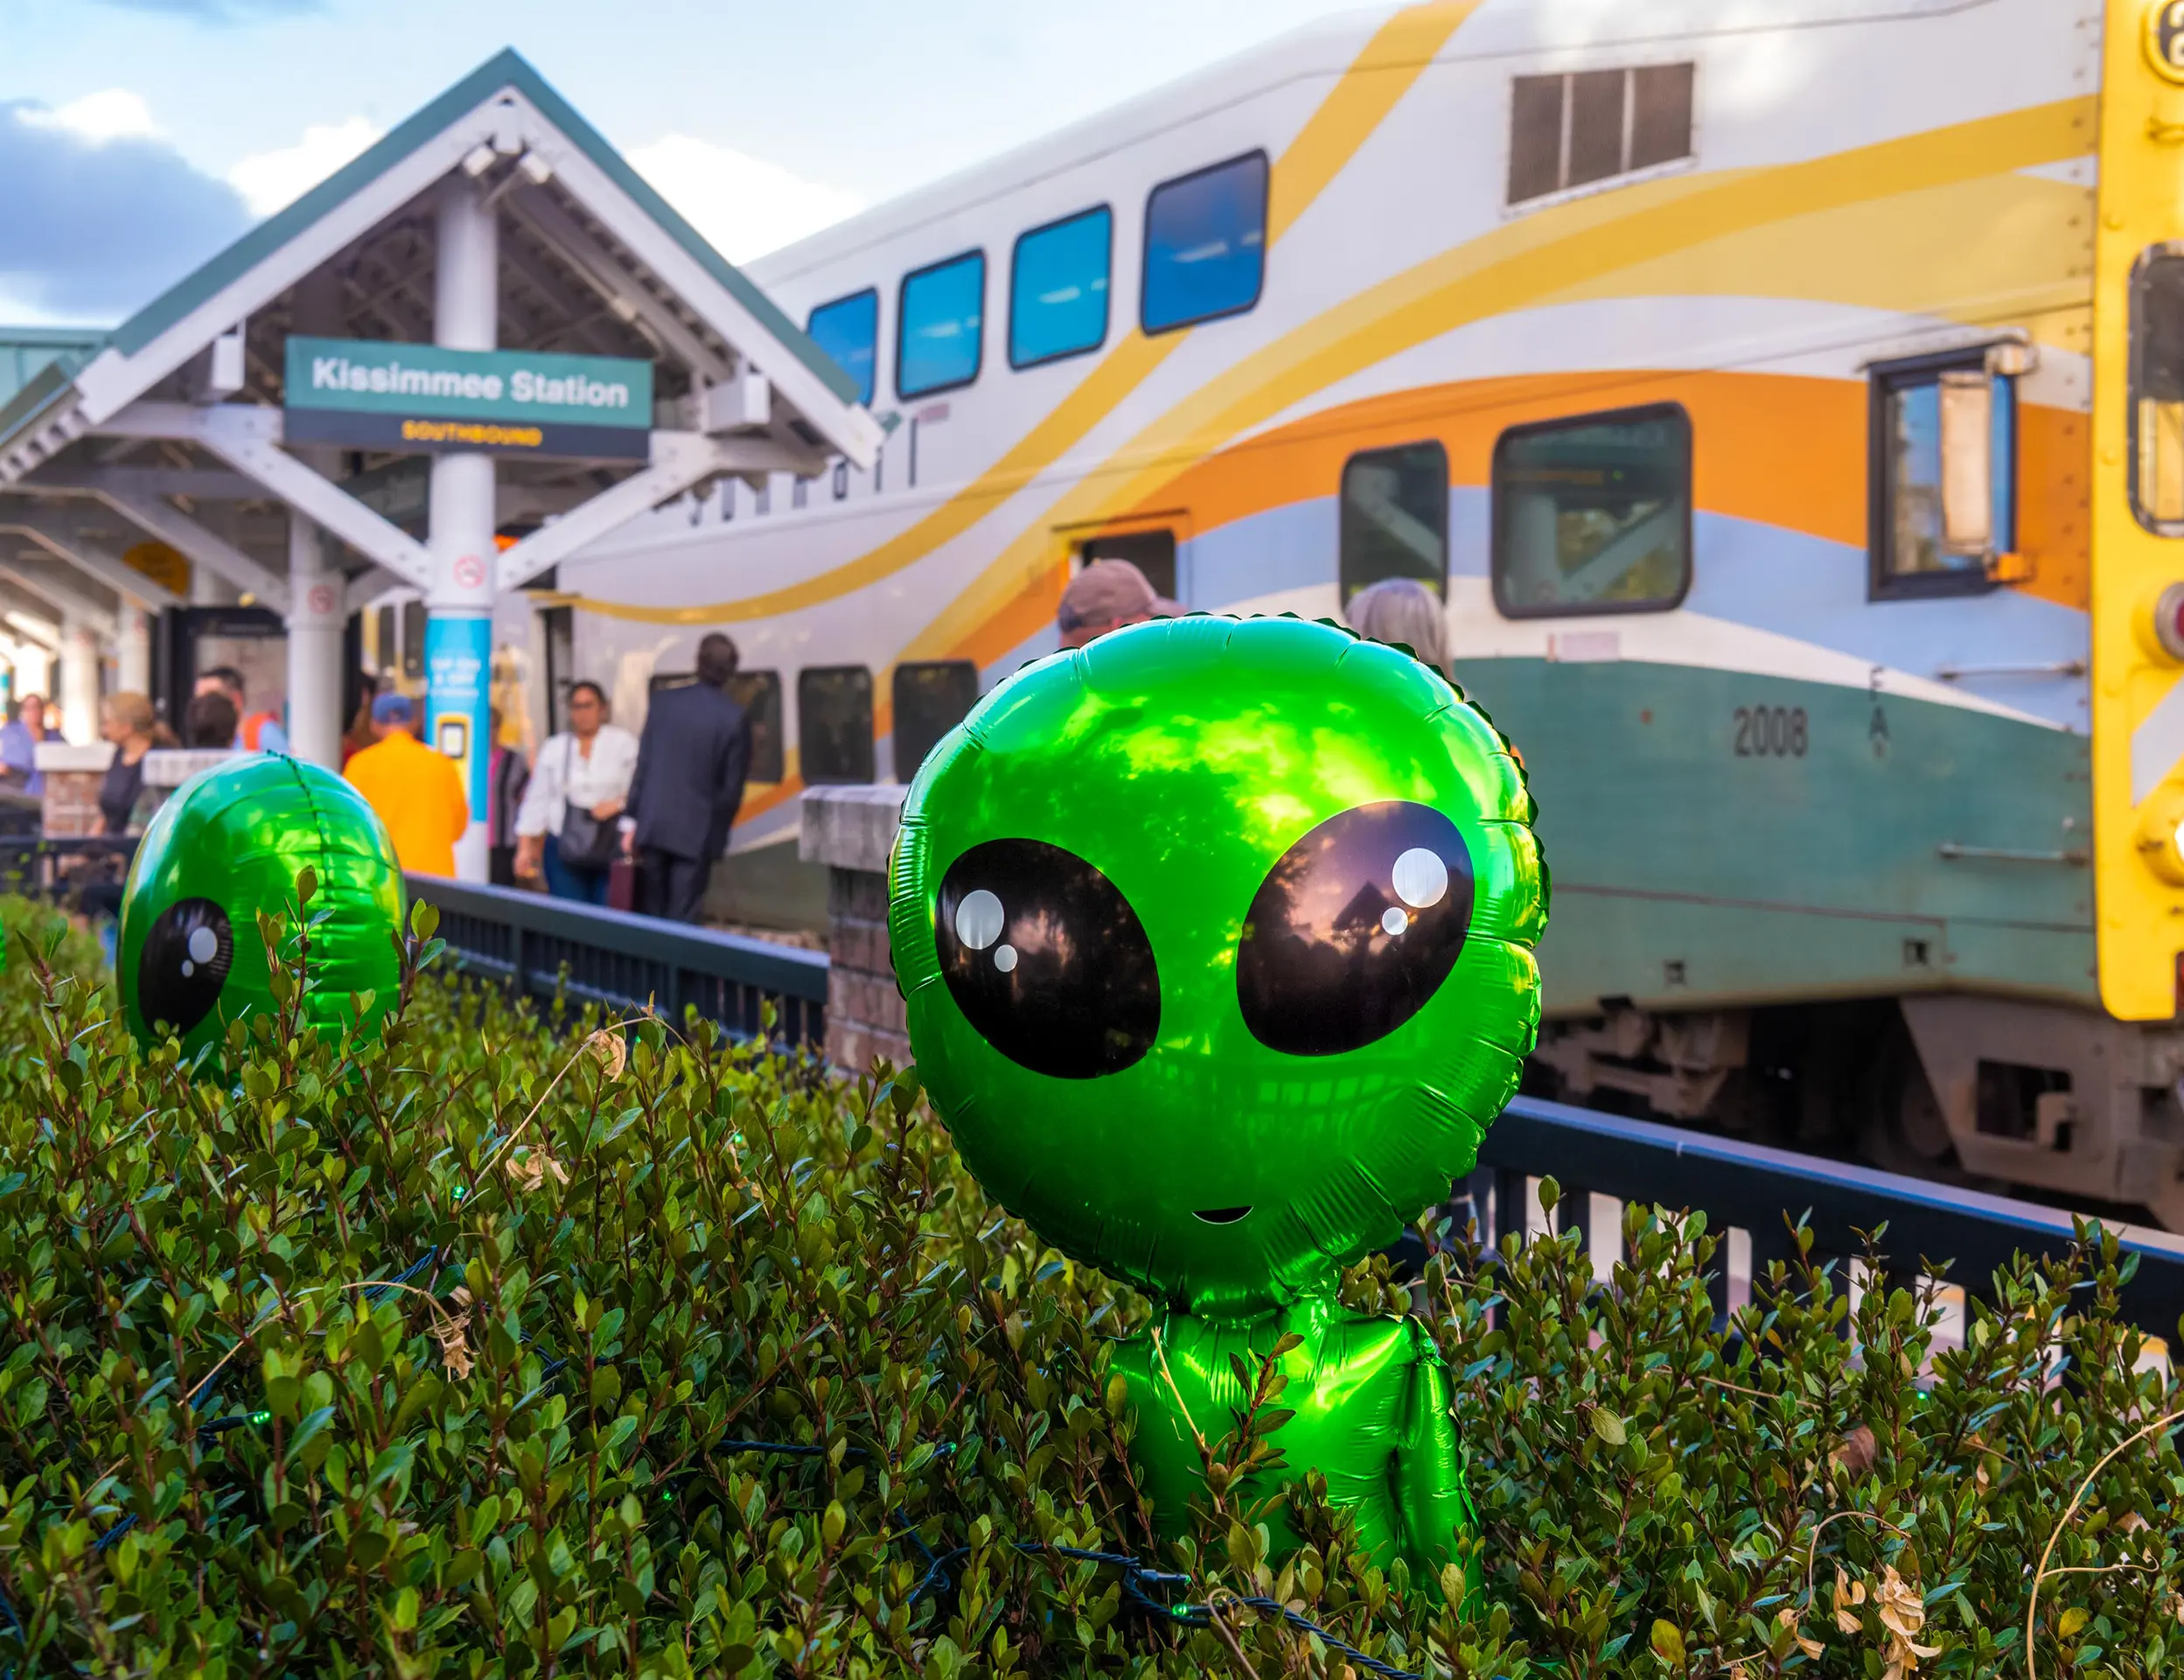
<point x="743" y="205"/>
<point x="112" y="114"/>
<point x="269" y="181"/>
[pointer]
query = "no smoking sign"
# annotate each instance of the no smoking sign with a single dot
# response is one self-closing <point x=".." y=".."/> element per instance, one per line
<point x="470" y="572"/>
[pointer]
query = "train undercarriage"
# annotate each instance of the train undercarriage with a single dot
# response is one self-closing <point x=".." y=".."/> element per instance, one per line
<point x="2061" y="1103"/>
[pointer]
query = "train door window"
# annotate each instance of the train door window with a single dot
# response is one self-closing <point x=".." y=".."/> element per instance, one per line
<point x="1942" y="473"/>
<point x="833" y="724"/>
<point x="1205" y="244"/>
<point x="1570" y="131"/>
<point x="384" y="657"/>
<point x="759" y="694"/>
<point x="1394" y="518"/>
<point x="2157" y="391"/>
<point x="1057" y="288"/>
<point x="413" y="639"/>
<point x="1151" y="552"/>
<point x="931" y="696"/>
<point x="848" y="330"/>
<point x="557" y="631"/>
<point x="1593" y="514"/>
<point x="941" y="330"/>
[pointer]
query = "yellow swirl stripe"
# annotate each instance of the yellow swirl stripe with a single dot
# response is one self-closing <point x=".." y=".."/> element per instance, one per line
<point x="1354" y="107"/>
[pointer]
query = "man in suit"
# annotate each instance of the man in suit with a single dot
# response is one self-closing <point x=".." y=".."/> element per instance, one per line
<point x="691" y="761"/>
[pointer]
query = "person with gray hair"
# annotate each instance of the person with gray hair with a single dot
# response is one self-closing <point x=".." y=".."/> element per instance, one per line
<point x="1403" y="612"/>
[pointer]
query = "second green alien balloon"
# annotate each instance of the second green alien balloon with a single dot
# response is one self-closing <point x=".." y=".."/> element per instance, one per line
<point x="1216" y="940"/>
<point x="228" y="844"/>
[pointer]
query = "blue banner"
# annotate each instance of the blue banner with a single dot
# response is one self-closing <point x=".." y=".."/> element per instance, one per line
<point x="458" y="677"/>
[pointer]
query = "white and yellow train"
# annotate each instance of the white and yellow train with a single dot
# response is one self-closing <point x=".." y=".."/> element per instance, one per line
<point x="1787" y="399"/>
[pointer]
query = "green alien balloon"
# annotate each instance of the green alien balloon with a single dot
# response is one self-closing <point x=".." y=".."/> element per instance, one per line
<point x="227" y="844"/>
<point x="1216" y="942"/>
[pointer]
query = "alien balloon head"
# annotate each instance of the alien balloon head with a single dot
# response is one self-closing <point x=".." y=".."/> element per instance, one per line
<point x="1216" y="939"/>
<point x="227" y="844"/>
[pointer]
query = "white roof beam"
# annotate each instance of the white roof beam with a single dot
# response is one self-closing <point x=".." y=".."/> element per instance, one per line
<point x="248" y="437"/>
<point x="621" y="289"/>
<point x="204" y="484"/>
<point x="64" y="538"/>
<point x="67" y="601"/>
<point x="113" y="381"/>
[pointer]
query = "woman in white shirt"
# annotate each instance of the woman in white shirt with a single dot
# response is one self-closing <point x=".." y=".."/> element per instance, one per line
<point x="568" y="819"/>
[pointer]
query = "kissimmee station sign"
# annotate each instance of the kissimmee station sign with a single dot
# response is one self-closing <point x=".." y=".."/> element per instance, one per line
<point x="491" y="288"/>
<point x="405" y="398"/>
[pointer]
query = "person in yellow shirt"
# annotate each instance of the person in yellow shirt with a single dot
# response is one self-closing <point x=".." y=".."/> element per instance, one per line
<point x="417" y="792"/>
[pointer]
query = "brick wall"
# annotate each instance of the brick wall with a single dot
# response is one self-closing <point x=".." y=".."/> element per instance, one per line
<point x="851" y="830"/>
<point x="864" y="1011"/>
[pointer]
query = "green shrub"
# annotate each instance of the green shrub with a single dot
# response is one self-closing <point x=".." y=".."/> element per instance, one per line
<point x="433" y="1354"/>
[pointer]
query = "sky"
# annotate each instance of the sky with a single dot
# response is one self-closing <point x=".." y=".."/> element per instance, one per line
<point x="138" y="137"/>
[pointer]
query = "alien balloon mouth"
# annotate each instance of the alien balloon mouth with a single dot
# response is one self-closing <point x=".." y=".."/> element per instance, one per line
<point x="1220" y="1216"/>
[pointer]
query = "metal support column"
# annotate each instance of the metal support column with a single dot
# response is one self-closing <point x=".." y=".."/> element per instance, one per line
<point x="317" y="610"/>
<point x="458" y="629"/>
<point x="79" y="658"/>
<point x="132" y="651"/>
<point x="315" y="622"/>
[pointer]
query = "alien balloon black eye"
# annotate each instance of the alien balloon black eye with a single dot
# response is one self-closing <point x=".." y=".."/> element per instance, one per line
<point x="1047" y="960"/>
<point x="184" y="962"/>
<point x="1354" y="928"/>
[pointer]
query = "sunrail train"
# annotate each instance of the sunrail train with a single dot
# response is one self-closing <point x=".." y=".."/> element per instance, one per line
<point x="1785" y="396"/>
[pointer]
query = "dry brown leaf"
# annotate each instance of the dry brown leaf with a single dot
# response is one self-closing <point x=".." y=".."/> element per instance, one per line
<point x="1786" y="1617"/>
<point x="1857" y="1451"/>
<point x="610" y="1050"/>
<point x="451" y="1330"/>
<point x="530" y="1170"/>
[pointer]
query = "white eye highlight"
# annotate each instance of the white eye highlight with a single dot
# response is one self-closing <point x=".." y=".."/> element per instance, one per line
<point x="1420" y="878"/>
<point x="1005" y="958"/>
<point x="203" y="945"/>
<point x="1393" y="920"/>
<point x="979" y="920"/>
<point x="188" y="968"/>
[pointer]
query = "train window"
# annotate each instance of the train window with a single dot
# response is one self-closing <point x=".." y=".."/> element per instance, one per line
<point x="1205" y="244"/>
<point x="1942" y="474"/>
<point x="848" y="330"/>
<point x="1394" y="518"/>
<point x="1152" y="552"/>
<point x="833" y="724"/>
<point x="759" y="694"/>
<point x="383" y="652"/>
<point x="931" y="696"/>
<point x="1593" y="514"/>
<point x="1593" y="125"/>
<point x="2157" y="392"/>
<point x="1057" y="288"/>
<point x="941" y="335"/>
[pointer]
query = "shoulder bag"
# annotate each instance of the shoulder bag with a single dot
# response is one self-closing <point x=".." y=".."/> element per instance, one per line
<point x="585" y="842"/>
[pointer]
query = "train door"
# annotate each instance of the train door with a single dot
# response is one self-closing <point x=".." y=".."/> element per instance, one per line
<point x="2137" y="476"/>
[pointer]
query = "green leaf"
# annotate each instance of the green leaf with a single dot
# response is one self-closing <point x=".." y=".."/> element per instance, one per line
<point x="313" y="1424"/>
<point x="1667" y="1641"/>
<point x="1606" y="1425"/>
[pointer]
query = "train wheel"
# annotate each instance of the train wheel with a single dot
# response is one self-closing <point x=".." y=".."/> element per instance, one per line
<point x="1903" y="1129"/>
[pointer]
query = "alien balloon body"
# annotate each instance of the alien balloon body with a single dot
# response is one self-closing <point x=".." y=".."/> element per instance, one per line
<point x="227" y="844"/>
<point x="1216" y="940"/>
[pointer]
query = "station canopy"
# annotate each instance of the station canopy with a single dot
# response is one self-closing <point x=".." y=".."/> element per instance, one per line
<point x="165" y="440"/>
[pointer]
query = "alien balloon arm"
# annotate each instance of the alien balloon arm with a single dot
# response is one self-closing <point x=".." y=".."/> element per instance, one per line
<point x="1429" y="1468"/>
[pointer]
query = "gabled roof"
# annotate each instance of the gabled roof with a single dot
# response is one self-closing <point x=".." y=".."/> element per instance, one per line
<point x="505" y="69"/>
<point x="591" y="191"/>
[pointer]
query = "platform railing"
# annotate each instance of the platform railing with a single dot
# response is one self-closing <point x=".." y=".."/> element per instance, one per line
<point x="540" y="946"/>
<point x="1759" y="1191"/>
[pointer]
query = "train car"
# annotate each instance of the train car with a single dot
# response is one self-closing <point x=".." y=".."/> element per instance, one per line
<point x="1786" y="398"/>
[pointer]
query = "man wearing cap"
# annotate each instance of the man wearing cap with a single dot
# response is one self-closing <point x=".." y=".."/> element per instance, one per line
<point x="1105" y="596"/>
<point x="417" y="792"/>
